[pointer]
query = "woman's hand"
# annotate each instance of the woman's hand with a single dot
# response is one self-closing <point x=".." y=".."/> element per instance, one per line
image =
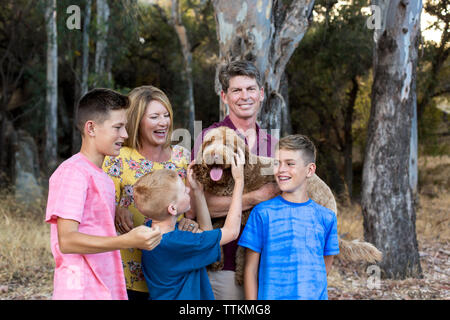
<point x="188" y="225"/>
<point x="123" y="220"/>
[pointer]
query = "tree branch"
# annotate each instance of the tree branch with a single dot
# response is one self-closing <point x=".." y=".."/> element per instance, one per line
<point x="292" y="30"/>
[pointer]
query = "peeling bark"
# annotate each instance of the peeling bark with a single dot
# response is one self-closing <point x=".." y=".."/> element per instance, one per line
<point x="76" y="136"/>
<point x="387" y="196"/>
<point x="51" y="115"/>
<point x="186" y="49"/>
<point x="102" y="69"/>
<point x="265" y="32"/>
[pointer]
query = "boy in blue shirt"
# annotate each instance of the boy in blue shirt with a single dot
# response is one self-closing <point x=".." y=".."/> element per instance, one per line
<point x="177" y="269"/>
<point x="290" y="239"/>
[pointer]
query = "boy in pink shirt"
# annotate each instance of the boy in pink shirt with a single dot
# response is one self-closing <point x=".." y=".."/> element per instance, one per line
<point x="81" y="207"/>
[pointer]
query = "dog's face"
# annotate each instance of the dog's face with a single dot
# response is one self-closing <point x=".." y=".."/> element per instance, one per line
<point x="216" y="154"/>
<point x="212" y="166"/>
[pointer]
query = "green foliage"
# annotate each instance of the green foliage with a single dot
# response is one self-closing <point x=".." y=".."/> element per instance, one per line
<point x="22" y="83"/>
<point x="144" y="50"/>
<point x="433" y="88"/>
<point x="434" y="132"/>
<point x="154" y="57"/>
<point x="361" y="116"/>
<point x="336" y="49"/>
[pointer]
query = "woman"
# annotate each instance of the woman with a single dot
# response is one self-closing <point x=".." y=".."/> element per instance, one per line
<point x="149" y="128"/>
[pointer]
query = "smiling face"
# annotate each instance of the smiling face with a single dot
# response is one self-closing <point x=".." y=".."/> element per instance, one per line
<point x="290" y="170"/>
<point x="111" y="133"/>
<point x="155" y="124"/>
<point x="183" y="202"/>
<point x="243" y="97"/>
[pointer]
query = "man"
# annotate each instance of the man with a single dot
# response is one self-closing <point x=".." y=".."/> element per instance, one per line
<point x="243" y="92"/>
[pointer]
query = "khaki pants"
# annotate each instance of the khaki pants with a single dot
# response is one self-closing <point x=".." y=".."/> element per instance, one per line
<point x="224" y="286"/>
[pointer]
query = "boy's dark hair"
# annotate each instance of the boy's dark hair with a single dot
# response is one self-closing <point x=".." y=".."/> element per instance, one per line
<point x="238" y="68"/>
<point x="299" y="142"/>
<point x="96" y="104"/>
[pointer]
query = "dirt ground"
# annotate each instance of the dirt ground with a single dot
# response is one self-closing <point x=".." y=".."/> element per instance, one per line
<point x="350" y="282"/>
<point x="346" y="282"/>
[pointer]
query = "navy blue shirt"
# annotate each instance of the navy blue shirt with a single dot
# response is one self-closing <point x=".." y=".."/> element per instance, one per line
<point x="176" y="268"/>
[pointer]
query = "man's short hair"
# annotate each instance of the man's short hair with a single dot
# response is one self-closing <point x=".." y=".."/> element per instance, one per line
<point x="299" y="142"/>
<point x="238" y="68"/>
<point x="154" y="192"/>
<point x="96" y="104"/>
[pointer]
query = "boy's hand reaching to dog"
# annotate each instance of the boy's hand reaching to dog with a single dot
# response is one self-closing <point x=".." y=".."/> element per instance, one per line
<point x="193" y="182"/>
<point x="237" y="166"/>
<point x="231" y="227"/>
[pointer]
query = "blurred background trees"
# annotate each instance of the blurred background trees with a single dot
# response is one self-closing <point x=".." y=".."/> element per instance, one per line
<point x="326" y="83"/>
<point x="328" y="77"/>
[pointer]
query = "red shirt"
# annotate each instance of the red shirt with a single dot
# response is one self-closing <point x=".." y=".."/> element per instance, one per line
<point x="264" y="146"/>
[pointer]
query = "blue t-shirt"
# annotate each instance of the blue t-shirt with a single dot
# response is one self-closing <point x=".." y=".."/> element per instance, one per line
<point x="176" y="268"/>
<point x="292" y="239"/>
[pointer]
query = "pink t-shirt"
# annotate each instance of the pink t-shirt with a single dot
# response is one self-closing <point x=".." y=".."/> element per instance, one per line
<point x="80" y="191"/>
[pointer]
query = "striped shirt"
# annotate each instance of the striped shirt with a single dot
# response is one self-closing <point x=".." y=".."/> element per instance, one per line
<point x="292" y="239"/>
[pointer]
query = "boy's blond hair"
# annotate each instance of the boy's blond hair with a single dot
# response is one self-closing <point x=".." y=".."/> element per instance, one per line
<point x="299" y="142"/>
<point x="154" y="192"/>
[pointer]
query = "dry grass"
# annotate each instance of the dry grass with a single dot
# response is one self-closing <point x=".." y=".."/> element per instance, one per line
<point x="26" y="262"/>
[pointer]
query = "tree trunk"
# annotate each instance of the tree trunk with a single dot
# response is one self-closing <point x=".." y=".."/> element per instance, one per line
<point x="101" y="49"/>
<point x="76" y="136"/>
<point x="180" y="29"/>
<point x="414" y="144"/>
<point x="51" y="115"/>
<point x="265" y="32"/>
<point x="387" y="197"/>
<point x="85" y="48"/>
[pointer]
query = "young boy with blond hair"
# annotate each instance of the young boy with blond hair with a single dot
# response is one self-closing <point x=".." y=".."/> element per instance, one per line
<point x="176" y="269"/>
<point x="290" y="240"/>
<point x="81" y="207"/>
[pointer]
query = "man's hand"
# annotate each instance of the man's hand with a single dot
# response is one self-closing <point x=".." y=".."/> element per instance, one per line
<point x="188" y="225"/>
<point x="219" y="205"/>
<point x="123" y="220"/>
<point x="144" y="238"/>
<point x="266" y="192"/>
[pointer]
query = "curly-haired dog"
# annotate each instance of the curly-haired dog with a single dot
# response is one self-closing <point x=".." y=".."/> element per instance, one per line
<point x="213" y="170"/>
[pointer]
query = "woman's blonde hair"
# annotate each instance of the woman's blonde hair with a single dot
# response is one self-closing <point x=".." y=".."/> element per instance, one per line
<point x="140" y="98"/>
